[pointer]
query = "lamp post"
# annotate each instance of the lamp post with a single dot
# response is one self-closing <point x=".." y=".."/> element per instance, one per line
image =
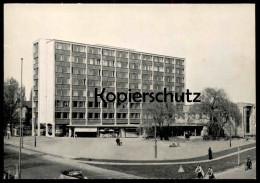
<point x="229" y="123"/>
<point x="155" y="142"/>
<point x="20" y="147"/>
<point x="35" y="133"/>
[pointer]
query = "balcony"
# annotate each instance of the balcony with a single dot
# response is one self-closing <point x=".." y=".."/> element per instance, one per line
<point x="63" y="52"/>
<point x="94" y="121"/>
<point x="78" y="109"/>
<point x="81" y="54"/>
<point x="108" y="57"/>
<point x="35" y="76"/>
<point x="62" y="109"/>
<point x="135" y="121"/>
<point x="122" y="121"/>
<point x="78" y="121"/>
<point x="108" y="121"/>
<point x="62" y="121"/>
<point x="35" y="55"/>
<point x="92" y="55"/>
<point x="35" y="98"/>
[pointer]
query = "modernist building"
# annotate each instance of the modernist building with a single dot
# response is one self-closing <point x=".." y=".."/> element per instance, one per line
<point x="67" y="73"/>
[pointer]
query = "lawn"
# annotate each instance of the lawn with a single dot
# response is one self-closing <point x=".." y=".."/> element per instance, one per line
<point x="171" y="171"/>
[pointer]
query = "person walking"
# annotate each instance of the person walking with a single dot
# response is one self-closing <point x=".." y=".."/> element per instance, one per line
<point x="117" y="140"/>
<point x="210" y="154"/>
<point x="199" y="171"/>
<point x="210" y="173"/>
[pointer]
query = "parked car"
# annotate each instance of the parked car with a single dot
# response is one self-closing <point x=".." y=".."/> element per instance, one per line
<point x="72" y="174"/>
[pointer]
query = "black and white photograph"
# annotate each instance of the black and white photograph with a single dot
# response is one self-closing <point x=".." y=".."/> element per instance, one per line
<point x="129" y="91"/>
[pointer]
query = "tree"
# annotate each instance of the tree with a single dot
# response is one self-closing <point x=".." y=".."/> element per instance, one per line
<point x="162" y="114"/>
<point x="12" y="96"/>
<point x="216" y="107"/>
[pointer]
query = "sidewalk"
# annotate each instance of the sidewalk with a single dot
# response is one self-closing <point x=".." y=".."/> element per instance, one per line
<point x="133" y="149"/>
<point x="238" y="173"/>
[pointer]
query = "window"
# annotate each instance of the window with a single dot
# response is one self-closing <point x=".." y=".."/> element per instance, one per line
<point x="58" y="69"/>
<point x="121" y="115"/>
<point x="78" y="48"/>
<point x="122" y="85"/>
<point x="82" y="71"/>
<point x="122" y="54"/>
<point x="134" y="66"/>
<point x="75" y="70"/>
<point x="79" y="59"/>
<point x="90" y="115"/>
<point x="108" y="115"/>
<point x="58" y="103"/>
<point x="81" y="115"/>
<point x="35" y="71"/>
<point x="122" y="74"/>
<point x="65" y="115"/>
<point x="59" y="57"/>
<point x="94" y="50"/>
<point x="108" y="63"/>
<point x="66" y="103"/>
<point x="35" y="61"/>
<point x="134" y="76"/>
<point x="97" y="115"/>
<point x="62" y="46"/>
<point x="135" y="115"/>
<point x="81" y="104"/>
<point x="75" y="103"/>
<point x="147" y="57"/>
<point x="58" y="115"/>
<point x="59" y="92"/>
<point x="91" y="93"/>
<point x="108" y="52"/>
<point x="135" y="56"/>
<point x="93" y="83"/>
<point x="35" y="48"/>
<point x="74" y="115"/>
<point x="90" y="104"/>
<point x="35" y="82"/>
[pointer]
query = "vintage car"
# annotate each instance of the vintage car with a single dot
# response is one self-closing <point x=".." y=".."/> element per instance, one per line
<point x="72" y="174"/>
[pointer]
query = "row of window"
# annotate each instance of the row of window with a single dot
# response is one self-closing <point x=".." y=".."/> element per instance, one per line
<point x="81" y="115"/>
<point x="107" y="52"/>
<point x="96" y="72"/>
<point x="91" y="104"/>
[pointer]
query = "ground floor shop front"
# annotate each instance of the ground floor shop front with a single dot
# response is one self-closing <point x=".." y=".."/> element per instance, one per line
<point x="122" y="131"/>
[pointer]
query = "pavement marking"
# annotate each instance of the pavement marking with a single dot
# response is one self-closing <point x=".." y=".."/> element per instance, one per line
<point x="167" y="163"/>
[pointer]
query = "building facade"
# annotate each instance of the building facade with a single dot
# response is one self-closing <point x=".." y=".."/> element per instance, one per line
<point x="67" y="73"/>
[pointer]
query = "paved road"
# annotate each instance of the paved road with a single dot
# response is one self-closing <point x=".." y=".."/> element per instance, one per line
<point x="238" y="173"/>
<point x="41" y="166"/>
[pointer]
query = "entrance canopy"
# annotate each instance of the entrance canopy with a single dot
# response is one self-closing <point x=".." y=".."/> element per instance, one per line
<point x="85" y="130"/>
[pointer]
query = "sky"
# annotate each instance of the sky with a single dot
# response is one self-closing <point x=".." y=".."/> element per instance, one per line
<point x="217" y="40"/>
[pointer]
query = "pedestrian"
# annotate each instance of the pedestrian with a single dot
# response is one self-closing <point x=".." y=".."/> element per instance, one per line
<point x="210" y="173"/>
<point x="117" y="141"/>
<point x="199" y="171"/>
<point x="210" y="154"/>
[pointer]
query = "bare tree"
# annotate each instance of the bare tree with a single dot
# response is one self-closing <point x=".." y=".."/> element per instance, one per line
<point x="161" y="115"/>
<point x="12" y="98"/>
<point x="216" y="107"/>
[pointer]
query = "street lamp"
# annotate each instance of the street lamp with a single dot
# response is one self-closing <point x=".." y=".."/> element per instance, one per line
<point x="229" y="123"/>
<point x="20" y="147"/>
<point x="155" y="142"/>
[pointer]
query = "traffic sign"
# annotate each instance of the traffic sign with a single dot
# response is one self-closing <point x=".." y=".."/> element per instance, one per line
<point x="181" y="170"/>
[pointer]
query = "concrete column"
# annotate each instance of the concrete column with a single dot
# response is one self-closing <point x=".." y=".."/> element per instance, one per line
<point x="70" y="132"/>
<point x="122" y="132"/>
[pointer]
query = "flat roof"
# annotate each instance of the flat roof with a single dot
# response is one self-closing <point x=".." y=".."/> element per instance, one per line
<point x="113" y="47"/>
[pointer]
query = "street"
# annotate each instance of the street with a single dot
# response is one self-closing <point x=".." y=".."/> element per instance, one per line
<point x="40" y="166"/>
